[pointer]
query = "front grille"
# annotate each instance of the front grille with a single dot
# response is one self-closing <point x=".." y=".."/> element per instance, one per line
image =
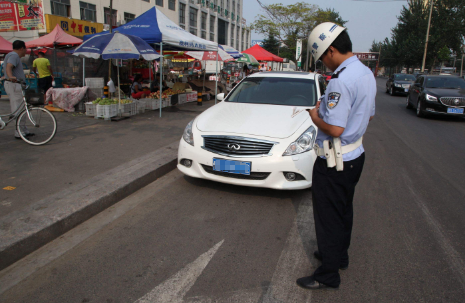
<point x="450" y="101"/>
<point x="237" y="146"/>
<point x="253" y="175"/>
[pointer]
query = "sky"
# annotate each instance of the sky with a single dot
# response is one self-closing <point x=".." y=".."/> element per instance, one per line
<point x="368" y="20"/>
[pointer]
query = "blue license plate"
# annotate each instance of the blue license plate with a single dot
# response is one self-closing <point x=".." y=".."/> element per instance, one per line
<point x="455" y="110"/>
<point x="233" y="167"/>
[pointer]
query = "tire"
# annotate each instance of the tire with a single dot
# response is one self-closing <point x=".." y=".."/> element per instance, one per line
<point x="408" y="106"/>
<point x="420" y="112"/>
<point x="391" y="91"/>
<point x="44" y="130"/>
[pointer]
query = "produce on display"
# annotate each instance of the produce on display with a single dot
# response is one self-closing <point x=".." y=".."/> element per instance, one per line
<point x="106" y="101"/>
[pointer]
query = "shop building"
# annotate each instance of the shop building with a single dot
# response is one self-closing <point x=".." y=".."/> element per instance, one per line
<point x="215" y="20"/>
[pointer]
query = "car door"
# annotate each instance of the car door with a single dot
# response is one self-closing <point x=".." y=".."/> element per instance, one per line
<point x="415" y="90"/>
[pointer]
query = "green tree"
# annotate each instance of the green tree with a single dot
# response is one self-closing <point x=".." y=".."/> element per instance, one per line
<point x="271" y="44"/>
<point x="291" y="22"/>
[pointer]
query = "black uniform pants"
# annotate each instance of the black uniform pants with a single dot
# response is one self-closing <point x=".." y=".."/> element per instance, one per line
<point x="333" y="194"/>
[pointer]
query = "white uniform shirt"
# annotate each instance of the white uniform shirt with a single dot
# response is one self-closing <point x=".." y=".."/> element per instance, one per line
<point x="349" y="102"/>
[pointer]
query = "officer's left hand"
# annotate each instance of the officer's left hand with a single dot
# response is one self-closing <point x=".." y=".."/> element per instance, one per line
<point x="314" y="111"/>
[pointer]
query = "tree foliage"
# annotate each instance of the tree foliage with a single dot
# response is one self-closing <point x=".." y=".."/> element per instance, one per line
<point x="271" y="44"/>
<point x="405" y="48"/>
<point x="288" y="23"/>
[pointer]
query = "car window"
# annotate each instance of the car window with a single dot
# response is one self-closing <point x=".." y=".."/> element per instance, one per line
<point x="422" y="80"/>
<point x="445" y="82"/>
<point x="275" y="90"/>
<point x="404" y="77"/>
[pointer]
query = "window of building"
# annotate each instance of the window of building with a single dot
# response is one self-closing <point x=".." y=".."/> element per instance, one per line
<point x="232" y="35"/>
<point x="88" y="11"/>
<point x="203" y="21"/>
<point x="114" y="16"/>
<point x="233" y="8"/>
<point x="238" y="30"/>
<point x="193" y="31"/>
<point x="172" y="5"/>
<point x="222" y="7"/>
<point x="192" y="17"/>
<point x="129" y="17"/>
<point x="182" y="26"/>
<point x="146" y="1"/>
<point x="227" y="5"/>
<point x="61" y="7"/>
<point x="182" y="14"/>
<point x="212" y="24"/>
<point x="212" y="37"/>
<point x="243" y="31"/>
<point x="159" y="2"/>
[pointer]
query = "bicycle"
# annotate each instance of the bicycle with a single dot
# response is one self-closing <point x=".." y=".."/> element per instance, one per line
<point x="40" y="119"/>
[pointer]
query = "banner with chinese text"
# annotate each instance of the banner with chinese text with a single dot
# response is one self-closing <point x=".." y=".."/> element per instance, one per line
<point x="28" y="15"/>
<point x="74" y="27"/>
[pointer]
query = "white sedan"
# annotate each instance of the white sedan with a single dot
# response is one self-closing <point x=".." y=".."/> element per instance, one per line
<point x="260" y="135"/>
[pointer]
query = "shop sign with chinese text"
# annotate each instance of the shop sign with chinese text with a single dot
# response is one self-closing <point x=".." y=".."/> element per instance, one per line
<point x="74" y="27"/>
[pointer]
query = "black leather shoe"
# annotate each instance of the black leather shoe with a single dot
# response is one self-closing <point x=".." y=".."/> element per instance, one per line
<point x="311" y="283"/>
<point x="318" y="257"/>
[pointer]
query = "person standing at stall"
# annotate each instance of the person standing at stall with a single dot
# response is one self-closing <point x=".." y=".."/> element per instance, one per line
<point x="14" y="72"/>
<point x="42" y="66"/>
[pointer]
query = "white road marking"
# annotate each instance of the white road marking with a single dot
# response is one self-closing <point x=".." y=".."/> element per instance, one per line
<point x="453" y="257"/>
<point x="175" y="288"/>
<point x="294" y="260"/>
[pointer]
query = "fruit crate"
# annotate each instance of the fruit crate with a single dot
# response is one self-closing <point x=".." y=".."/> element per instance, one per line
<point x="152" y="104"/>
<point x="182" y="98"/>
<point x="129" y="109"/>
<point x="91" y="109"/>
<point x="107" y="111"/>
<point x="166" y="102"/>
<point x="141" y="105"/>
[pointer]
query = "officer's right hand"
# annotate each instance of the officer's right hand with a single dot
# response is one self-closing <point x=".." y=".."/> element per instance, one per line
<point x="13" y="79"/>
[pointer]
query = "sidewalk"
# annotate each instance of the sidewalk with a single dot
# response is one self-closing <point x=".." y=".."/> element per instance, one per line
<point x="82" y="151"/>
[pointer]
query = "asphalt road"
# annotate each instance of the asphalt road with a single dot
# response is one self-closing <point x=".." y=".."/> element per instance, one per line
<point x="187" y="240"/>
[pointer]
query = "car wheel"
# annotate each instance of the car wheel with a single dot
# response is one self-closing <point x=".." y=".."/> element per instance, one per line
<point x="391" y="91"/>
<point x="419" y="110"/>
<point x="409" y="106"/>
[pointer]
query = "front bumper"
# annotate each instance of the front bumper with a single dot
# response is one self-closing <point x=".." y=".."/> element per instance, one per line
<point x="435" y="107"/>
<point x="400" y="90"/>
<point x="275" y="165"/>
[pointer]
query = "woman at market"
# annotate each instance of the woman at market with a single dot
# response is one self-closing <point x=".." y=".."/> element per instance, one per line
<point x="136" y="88"/>
<point x="155" y="85"/>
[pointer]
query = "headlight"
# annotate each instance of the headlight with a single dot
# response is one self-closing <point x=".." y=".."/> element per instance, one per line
<point x="188" y="136"/>
<point x="431" y="98"/>
<point x="397" y="85"/>
<point x="303" y="144"/>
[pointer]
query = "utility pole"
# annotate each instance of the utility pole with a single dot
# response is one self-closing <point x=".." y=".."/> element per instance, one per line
<point x="111" y="23"/>
<point x="427" y="37"/>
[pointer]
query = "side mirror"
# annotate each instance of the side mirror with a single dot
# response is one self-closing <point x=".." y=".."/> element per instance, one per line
<point x="220" y="97"/>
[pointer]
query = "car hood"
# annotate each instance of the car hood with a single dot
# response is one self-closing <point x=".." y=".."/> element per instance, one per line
<point x="274" y="121"/>
<point x="446" y="92"/>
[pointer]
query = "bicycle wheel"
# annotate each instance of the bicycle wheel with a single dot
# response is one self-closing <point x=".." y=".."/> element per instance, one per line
<point x="44" y="128"/>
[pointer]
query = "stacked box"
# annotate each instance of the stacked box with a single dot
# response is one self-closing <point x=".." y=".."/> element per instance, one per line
<point x="91" y="109"/>
<point x="107" y="111"/>
<point x="95" y="83"/>
<point x="191" y="97"/>
<point x="129" y="109"/>
<point x="141" y="105"/>
<point x="182" y="98"/>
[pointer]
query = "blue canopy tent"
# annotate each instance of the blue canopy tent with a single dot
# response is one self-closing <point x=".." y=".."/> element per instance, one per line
<point x="155" y="27"/>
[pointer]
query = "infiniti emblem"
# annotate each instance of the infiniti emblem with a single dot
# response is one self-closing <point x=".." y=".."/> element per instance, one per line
<point x="456" y="101"/>
<point x="232" y="147"/>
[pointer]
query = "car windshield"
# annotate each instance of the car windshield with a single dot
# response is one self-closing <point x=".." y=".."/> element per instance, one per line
<point x="404" y="77"/>
<point x="445" y="82"/>
<point x="275" y="90"/>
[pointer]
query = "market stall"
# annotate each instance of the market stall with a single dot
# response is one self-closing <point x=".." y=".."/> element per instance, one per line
<point x="115" y="46"/>
<point x="263" y="55"/>
<point x="156" y="28"/>
<point x="5" y="46"/>
<point x="55" y="39"/>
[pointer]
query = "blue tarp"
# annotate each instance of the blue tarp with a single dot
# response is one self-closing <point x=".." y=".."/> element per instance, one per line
<point x="145" y="26"/>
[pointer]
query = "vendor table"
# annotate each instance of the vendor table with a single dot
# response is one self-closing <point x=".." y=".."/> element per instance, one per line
<point x="66" y="98"/>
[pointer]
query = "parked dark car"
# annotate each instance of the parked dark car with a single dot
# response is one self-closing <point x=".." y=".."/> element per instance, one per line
<point x="437" y="95"/>
<point x="399" y="84"/>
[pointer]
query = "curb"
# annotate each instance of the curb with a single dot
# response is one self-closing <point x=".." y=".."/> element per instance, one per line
<point x="25" y="231"/>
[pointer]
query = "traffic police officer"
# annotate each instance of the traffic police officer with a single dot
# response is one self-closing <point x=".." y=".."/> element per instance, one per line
<point x="342" y="118"/>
